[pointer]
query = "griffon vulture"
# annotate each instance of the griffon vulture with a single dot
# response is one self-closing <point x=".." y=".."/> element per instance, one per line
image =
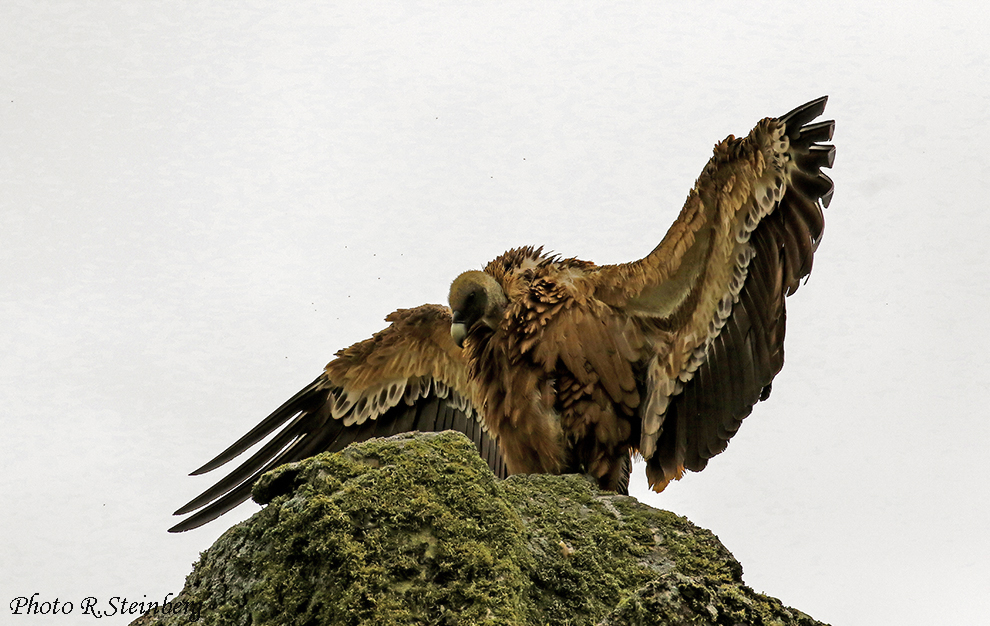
<point x="559" y="365"/>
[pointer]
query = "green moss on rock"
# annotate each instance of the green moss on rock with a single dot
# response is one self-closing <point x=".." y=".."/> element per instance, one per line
<point x="415" y="529"/>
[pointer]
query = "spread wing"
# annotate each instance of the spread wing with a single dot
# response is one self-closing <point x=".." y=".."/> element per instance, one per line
<point x="410" y="376"/>
<point x="709" y="300"/>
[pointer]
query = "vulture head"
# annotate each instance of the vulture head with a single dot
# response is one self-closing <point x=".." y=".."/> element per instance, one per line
<point x="475" y="298"/>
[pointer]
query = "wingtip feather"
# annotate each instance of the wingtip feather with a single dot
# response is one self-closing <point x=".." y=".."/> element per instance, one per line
<point x="801" y="115"/>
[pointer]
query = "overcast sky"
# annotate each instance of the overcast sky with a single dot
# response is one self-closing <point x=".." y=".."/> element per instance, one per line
<point x="200" y="204"/>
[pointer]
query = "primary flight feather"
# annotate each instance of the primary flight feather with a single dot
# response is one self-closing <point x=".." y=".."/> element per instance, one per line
<point x="558" y="365"/>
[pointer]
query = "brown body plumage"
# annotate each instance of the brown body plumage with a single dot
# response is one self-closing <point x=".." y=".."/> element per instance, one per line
<point x="558" y="365"/>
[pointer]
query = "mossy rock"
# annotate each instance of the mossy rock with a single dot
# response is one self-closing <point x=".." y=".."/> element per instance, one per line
<point x="415" y="529"/>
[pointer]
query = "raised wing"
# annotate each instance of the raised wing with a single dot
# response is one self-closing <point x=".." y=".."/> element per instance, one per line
<point x="410" y="376"/>
<point x="710" y="297"/>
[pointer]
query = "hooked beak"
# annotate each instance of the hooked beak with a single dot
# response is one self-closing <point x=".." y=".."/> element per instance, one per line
<point x="458" y="330"/>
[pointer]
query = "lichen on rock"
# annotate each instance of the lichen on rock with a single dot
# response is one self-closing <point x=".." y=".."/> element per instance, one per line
<point x="415" y="529"/>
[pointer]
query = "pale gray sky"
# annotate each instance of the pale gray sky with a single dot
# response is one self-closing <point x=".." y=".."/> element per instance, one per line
<point x="200" y="204"/>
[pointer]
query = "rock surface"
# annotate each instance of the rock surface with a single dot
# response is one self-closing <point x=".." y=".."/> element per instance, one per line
<point x="415" y="529"/>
